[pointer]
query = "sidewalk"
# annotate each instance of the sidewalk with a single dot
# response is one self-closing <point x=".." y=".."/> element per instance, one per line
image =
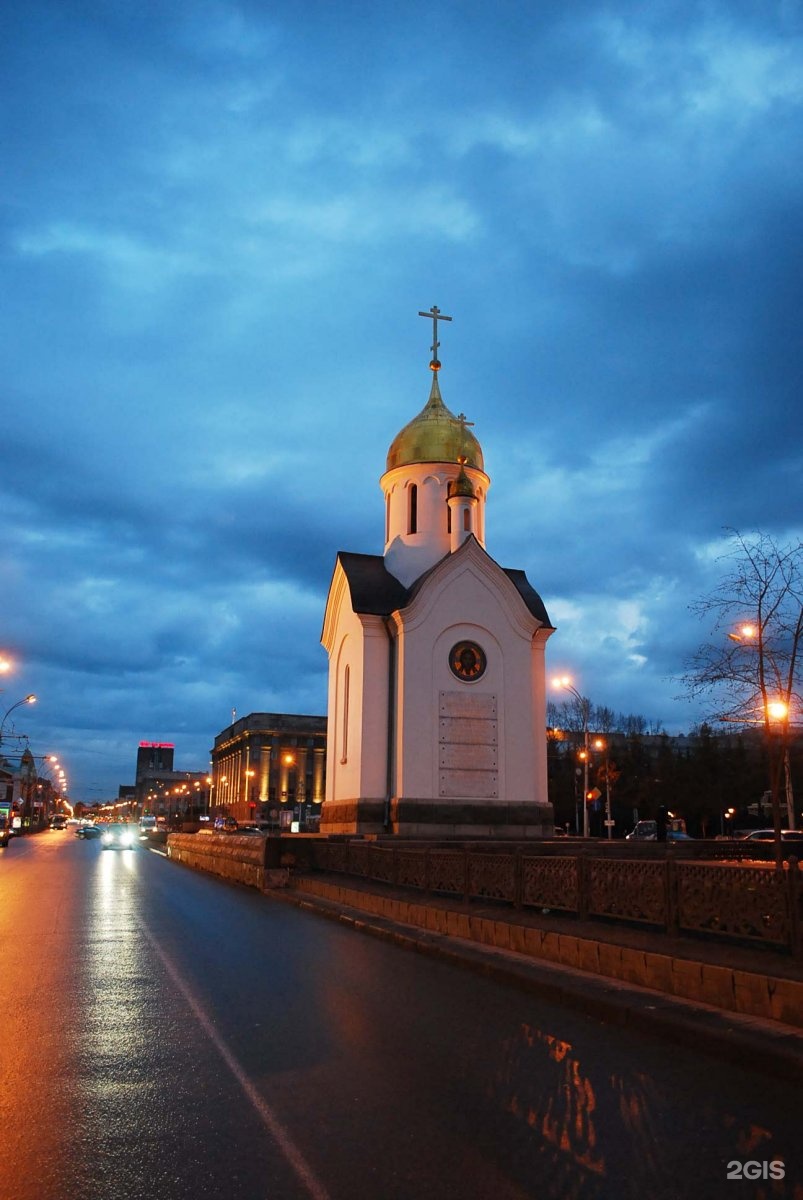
<point x="740" y="1003"/>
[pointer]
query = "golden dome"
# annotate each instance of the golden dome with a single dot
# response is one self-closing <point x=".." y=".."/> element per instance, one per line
<point x="462" y="485"/>
<point x="435" y="435"/>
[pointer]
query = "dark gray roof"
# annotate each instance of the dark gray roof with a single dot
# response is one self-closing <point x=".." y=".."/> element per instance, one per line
<point x="529" y="595"/>
<point x="374" y="590"/>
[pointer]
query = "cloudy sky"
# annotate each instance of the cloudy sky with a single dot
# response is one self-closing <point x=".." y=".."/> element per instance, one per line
<point x="218" y="222"/>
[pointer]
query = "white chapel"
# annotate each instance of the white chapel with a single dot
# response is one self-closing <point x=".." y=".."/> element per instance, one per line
<point x="437" y="697"/>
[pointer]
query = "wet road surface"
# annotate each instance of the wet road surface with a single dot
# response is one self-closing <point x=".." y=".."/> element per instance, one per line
<point x="172" y="1037"/>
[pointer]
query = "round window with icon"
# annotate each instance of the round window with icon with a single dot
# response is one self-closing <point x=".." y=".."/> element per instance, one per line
<point x="467" y="661"/>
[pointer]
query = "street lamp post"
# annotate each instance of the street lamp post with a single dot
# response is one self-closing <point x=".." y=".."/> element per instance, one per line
<point x="600" y="744"/>
<point x="775" y="713"/>
<point x="566" y="684"/>
<point x="778" y="711"/>
<point x="29" y="699"/>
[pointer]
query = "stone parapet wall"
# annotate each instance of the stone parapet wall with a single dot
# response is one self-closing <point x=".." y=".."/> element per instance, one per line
<point x="239" y="858"/>
<point x="733" y="989"/>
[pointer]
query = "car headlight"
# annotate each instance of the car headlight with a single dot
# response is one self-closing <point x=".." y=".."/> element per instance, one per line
<point x="106" y="839"/>
<point x="126" y="839"/>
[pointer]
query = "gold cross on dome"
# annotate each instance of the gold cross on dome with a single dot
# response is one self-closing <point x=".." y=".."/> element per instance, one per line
<point x="461" y="458"/>
<point x="436" y="315"/>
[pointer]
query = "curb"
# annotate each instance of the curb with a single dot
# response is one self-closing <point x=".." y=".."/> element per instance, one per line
<point x="762" y="1045"/>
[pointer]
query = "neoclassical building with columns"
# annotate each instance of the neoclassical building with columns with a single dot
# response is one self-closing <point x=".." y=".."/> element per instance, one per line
<point x="437" y="698"/>
<point x="268" y="765"/>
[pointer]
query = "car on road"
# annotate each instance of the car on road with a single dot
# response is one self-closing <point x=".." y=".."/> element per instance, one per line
<point x="88" y="831"/>
<point x="647" y="831"/>
<point x="768" y="835"/>
<point x="5" y="829"/>
<point x="119" y="837"/>
<point x="58" y="822"/>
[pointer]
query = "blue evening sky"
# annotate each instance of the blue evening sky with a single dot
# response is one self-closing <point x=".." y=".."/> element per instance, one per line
<point x="218" y="222"/>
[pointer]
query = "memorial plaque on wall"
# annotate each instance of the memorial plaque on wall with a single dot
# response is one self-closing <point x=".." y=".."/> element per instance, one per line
<point x="474" y="785"/>
<point x="467" y="758"/>
<point x="468" y="734"/>
<point x="468" y="704"/>
<point x="467" y="731"/>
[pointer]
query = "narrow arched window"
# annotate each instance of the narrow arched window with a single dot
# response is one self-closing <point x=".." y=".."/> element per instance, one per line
<point x="466" y="518"/>
<point x="387" y="519"/>
<point x="448" y="519"/>
<point x="345" y="744"/>
<point x="412" y="524"/>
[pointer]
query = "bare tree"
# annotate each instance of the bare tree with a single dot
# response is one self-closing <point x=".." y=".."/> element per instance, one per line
<point x="604" y="719"/>
<point x="633" y="724"/>
<point x="751" y="669"/>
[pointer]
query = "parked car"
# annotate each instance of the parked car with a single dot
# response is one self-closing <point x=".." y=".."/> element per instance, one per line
<point x="119" y="837"/>
<point x="226" y="825"/>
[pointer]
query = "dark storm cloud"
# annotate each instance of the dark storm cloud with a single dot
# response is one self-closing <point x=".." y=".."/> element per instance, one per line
<point x="218" y="224"/>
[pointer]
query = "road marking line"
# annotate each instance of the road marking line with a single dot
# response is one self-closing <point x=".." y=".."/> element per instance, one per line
<point x="161" y="853"/>
<point x="274" y="1126"/>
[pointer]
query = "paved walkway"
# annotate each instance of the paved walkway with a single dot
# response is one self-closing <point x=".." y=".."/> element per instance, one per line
<point x="726" y="999"/>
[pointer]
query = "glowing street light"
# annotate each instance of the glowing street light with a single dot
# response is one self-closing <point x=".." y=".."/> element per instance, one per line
<point x="29" y="699"/>
<point x="775" y="712"/>
<point x="745" y="633"/>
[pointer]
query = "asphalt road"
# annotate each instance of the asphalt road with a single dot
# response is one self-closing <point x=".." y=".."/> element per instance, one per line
<point x="168" y="1036"/>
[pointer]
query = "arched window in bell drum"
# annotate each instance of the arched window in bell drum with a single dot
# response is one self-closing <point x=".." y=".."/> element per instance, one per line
<point x="412" y="524"/>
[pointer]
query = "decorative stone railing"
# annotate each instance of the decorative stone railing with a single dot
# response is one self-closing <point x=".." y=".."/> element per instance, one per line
<point x="726" y="900"/>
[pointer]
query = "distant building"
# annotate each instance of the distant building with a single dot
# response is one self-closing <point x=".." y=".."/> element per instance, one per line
<point x="270" y="767"/>
<point x="27" y="797"/>
<point x="173" y="793"/>
<point x="153" y="757"/>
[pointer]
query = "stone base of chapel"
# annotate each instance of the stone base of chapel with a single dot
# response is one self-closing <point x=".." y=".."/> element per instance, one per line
<point x="454" y="818"/>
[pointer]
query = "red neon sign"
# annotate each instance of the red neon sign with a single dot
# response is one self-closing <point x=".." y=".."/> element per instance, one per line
<point x="157" y="745"/>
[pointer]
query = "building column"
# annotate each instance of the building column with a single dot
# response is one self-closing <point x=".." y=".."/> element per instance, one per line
<point x="264" y="773"/>
<point x="284" y="774"/>
<point x="318" y="762"/>
<point x="301" y="775"/>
